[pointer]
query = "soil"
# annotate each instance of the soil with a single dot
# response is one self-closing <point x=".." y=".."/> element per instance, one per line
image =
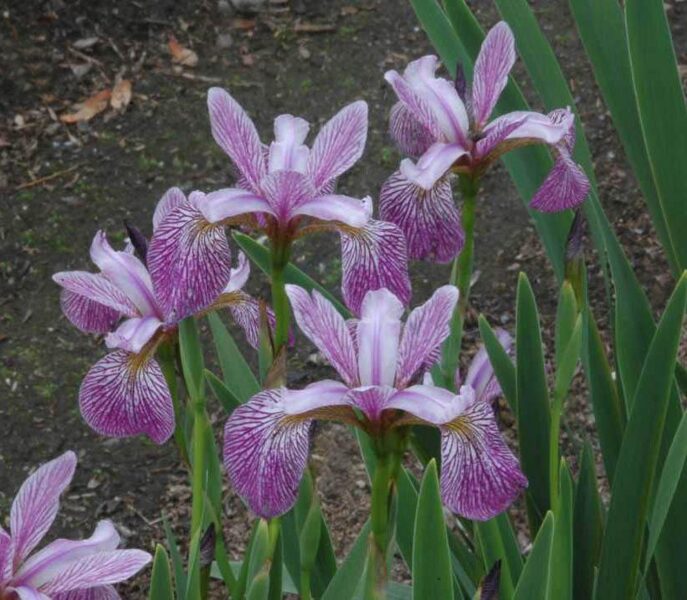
<point x="61" y="182"/>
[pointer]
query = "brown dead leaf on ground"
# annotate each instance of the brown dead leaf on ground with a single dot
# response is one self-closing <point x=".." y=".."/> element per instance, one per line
<point x="314" y="28"/>
<point x="89" y="108"/>
<point x="121" y="95"/>
<point x="243" y="24"/>
<point x="180" y="55"/>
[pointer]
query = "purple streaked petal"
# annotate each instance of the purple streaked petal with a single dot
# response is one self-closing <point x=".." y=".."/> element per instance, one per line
<point x="432" y="165"/>
<point x="494" y="62"/>
<point x="429" y="219"/>
<point x="102" y="592"/>
<point x="238" y="276"/>
<point x="480" y="477"/>
<point x="265" y="453"/>
<point x="373" y="257"/>
<point x="235" y="133"/>
<point x="414" y="103"/>
<point x="339" y="144"/>
<point x="335" y="207"/>
<point x="126" y="272"/>
<point x="172" y="198"/>
<point x="6" y="555"/>
<point x="98" y="569"/>
<point x="426" y="328"/>
<point x="412" y="137"/>
<point x="86" y="315"/>
<point x="189" y="262"/>
<point x="245" y="310"/>
<point x="566" y="186"/>
<point x="37" y="502"/>
<point x="286" y="191"/>
<point x="314" y="396"/>
<point x="481" y="376"/>
<point x="230" y="202"/>
<point x="287" y="152"/>
<point x="372" y="400"/>
<point x="27" y="593"/>
<point x="378" y="335"/>
<point x="534" y="125"/>
<point x="133" y="334"/>
<point x="96" y="289"/>
<point x="441" y="96"/>
<point x="126" y="394"/>
<point x="325" y="328"/>
<point x="43" y="566"/>
<point x="497" y="132"/>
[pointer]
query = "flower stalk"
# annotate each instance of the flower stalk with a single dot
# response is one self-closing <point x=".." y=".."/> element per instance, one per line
<point x="461" y="275"/>
<point x="166" y="357"/>
<point x="281" y="251"/>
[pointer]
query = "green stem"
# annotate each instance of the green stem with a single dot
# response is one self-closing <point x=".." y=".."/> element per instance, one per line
<point x="166" y="358"/>
<point x="280" y="302"/>
<point x="305" y="585"/>
<point x="201" y="425"/>
<point x="461" y="274"/>
<point x="556" y="411"/>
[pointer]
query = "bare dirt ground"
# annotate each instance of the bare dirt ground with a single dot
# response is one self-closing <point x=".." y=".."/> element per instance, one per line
<point x="60" y="182"/>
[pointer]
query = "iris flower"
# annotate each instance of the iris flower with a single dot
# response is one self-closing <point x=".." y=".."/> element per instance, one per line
<point x="64" y="569"/>
<point x="380" y="361"/>
<point x="286" y="190"/>
<point x="450" y="131"/>
<point x="132" y="301"/>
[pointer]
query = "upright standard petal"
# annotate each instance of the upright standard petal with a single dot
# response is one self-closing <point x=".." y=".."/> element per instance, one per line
<point x="325" y="328"/>
<point x="126" y="394"/>
<point x="372" y="258"/>
<point x="287" y="152"/>
<point x="235" y="133"/>
<point x="494" y="62"/>
<point x="126" y="272"/>
<point x="86" y="315"/>
<point x="286" y="191"/>
<point x="172" y="198"/>
<point x="412" y="137"/>
<point x="426" y="328"/>
<point x="480" y="477"/>
<point x="189" y="262"/>
<point x="339" y="144"/>
<point x="35" y="505"/>
<point x="429" y="219"/>
<point x="335" y="207"/>
<point x="481" y="376"/>
<point x="265" y="453"/>
<point x="378" y="334"/>
<point x="432" y="165"/>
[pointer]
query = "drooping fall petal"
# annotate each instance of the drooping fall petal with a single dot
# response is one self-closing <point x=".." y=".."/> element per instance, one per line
<point x="124" y="395"/>
<point x="566" y="186"/>
<point x="172" y="198"/>
<point x="87" y="315"/>
<point x="102" y="592"/>
<point x="97" y="289"/>
<point x="429" y="219"/>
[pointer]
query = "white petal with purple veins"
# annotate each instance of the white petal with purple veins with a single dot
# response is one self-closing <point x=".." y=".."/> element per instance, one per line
<point x="96" y="288"/>
<point x="35" y="505"/>
<point x="103" y="592"/>
<point x="286" y="191"/>
<point x="566" y="186"/>
<point x="429" y="219"/>
<point x="372" y="400"/>
<point x="235" y="133"/>
<point x="412" y="137"/>
<point x="86" y="315"/>
<point x="172" y="198"/>
<point x="124" y="395"/>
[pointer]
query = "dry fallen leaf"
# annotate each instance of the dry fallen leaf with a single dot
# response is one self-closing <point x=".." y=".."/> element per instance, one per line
<point x="243" y="24"/>
<point x="84" y="43"/>
<point x="89" y="108"/>
<point x="121" y="95"/>
<point x="181" y="55"/>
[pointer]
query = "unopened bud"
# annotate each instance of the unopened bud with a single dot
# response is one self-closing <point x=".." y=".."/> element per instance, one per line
<point x="207" y="546"/>
<point x="138" y="241"/>
<point x="574" y="256"/>
<point x="461" y="83"/>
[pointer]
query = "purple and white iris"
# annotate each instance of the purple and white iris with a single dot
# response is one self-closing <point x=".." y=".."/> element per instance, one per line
<point x="380" y="361"/>
<point x="286" y="190"/>
<point x="132" y="301"/>
<point x="449" y="130"/>
<point x="64" y="569"/>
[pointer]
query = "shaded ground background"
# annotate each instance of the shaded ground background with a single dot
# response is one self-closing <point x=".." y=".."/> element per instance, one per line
<point x="59" y="183"/>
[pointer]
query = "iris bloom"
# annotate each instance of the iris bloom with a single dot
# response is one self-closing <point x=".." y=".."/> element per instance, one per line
<point x="132" y="301"/>
<point x="64" y="569"/>
<point x="380" y="361"/>
<point x="450" y="132"/>
<point x="287" y="190"/>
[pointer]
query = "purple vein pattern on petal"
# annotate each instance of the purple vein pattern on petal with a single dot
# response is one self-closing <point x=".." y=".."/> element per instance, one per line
<point x="339" y="144"/>
<point x="480" y="476"/>
<point x="566" y="186"/>
<point x="98" y="569"/>
<point x="412" y="137"/>
<point x="97" y="289"/>
<point x="265" y="453"/>
<point x="189" y="262"/>
<point x="493" y="64"/>
<point x="35" y="505"/>
<point x="102" y="592"/>
<point x="235" y="133"/>
<point x="325" y="328"/>
<point x="372" y="400"/>
<point x="6" y="555"/>
<point x="172" y="198"/>
<point x="86" y="315"/>
<point x="246" y="312"/>
<point x="230" y="202"/>
<point x="124" y="394"/>
<point x="285" y="191"/>
<point x="373" y="257"/>
<point x="426" y="328"/>
<point x="429" y="219"/>
<point x="481" y="376"/>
